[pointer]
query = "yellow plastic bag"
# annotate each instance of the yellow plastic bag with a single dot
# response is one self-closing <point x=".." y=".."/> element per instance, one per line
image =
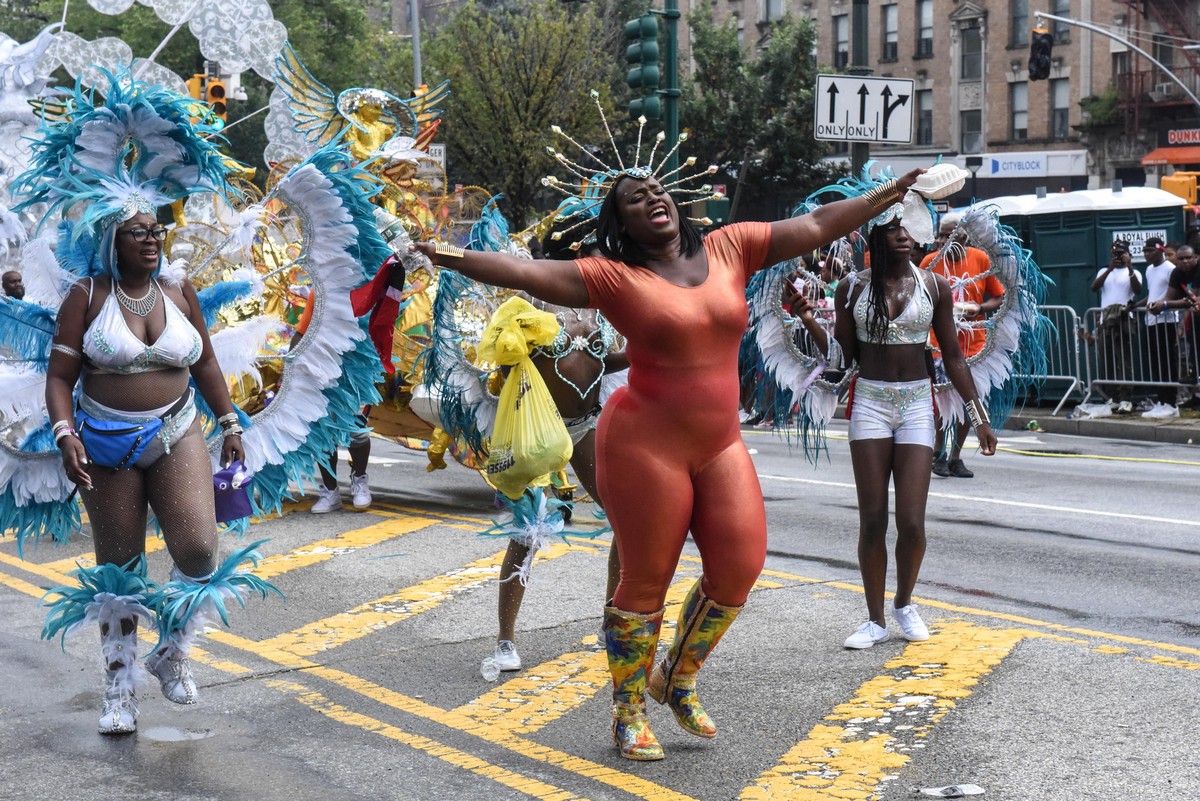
<point x="529" y="438"/>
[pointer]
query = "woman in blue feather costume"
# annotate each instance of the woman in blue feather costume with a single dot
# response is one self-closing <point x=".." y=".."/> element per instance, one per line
<point x="136" y="344"/>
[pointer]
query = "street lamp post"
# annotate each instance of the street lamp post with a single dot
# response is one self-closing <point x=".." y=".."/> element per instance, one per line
<point x="973" y="163"/>
<point x="414" y="8"/>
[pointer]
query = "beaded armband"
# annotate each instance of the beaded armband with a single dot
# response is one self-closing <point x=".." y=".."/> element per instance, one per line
<point x="68" y="350"/>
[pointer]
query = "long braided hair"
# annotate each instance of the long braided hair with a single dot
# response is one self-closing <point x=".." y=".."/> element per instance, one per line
<point x="877" y="247"/>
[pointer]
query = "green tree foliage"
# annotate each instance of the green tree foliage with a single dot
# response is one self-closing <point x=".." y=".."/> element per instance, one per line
<point x="753" y="118"/>
<point x="515" y="69"/>
<point x="335" y="39"/>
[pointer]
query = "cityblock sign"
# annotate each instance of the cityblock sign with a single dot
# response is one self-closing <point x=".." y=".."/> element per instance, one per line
<point x="857" y="109"/>
<point x="1015" y="165"/>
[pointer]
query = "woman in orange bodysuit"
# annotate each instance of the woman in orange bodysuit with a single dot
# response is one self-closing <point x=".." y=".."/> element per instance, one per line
<point x="669" y="454"/>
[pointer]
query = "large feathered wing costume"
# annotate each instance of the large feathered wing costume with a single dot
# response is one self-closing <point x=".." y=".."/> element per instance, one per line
<point x="331" y="374"/>
<point x="791" y="376"/>
<point x="322" y="208"/>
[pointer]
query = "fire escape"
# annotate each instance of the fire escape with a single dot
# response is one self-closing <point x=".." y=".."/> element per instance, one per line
<point x="1146" y="91"/>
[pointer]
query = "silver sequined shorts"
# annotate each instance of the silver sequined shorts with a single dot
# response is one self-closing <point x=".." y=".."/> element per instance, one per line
<point x="898" y="410"/>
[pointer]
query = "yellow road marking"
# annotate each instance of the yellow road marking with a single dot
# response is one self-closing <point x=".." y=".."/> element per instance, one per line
<point x="376" y="615"/>
<point x="870" y="737"/>
<point x="460" y="759"/>
<point x="540" y="695"/>
<point x="482" y="521"/>
<point x="17" y="584"/>
<point x="319" y="703"/>
<point x="46" y="572"/>
<point x="156" y="544"/>
<point x="497" y="735"/>
<point x="441" y="519"/>
<point x="346" y="542"/>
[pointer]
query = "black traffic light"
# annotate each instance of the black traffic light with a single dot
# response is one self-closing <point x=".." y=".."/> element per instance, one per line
<point x="641" y="54"/>
<point x="1041" y="41"/>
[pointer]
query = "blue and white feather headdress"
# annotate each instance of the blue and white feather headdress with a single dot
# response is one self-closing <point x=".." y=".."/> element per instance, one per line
<point x="109" y="156"/>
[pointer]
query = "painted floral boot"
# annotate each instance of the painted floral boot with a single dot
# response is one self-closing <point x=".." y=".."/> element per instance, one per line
<point x="631" y="640"/>
<point x="702" y="623"/>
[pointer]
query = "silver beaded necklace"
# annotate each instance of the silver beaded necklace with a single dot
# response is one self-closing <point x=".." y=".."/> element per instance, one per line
<point x="139" y="306"/>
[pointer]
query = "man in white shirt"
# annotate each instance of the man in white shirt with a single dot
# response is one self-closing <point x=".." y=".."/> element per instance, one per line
<point x="1118" y="284"/>
<point x="1161" y="329"/>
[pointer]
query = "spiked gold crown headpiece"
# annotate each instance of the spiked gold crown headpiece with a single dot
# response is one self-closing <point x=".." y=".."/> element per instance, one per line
<point x="591" y="184"/>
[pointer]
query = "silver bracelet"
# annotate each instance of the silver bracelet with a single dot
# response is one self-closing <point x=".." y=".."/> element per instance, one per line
<point x="232" y="431"/>
<point x="978" y="414"/>
<point x="68" y="350"/>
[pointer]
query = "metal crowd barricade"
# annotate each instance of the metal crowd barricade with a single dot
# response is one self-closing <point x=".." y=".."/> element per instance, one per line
<point x="1122" y="351"/>
<point x="1064" y="352"/>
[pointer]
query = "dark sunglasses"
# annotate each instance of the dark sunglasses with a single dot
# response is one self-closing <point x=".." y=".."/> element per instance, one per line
<point x="142" y="234"/>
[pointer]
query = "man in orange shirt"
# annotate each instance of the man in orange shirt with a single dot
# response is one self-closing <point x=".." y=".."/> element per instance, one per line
<point x="974" y="299"/>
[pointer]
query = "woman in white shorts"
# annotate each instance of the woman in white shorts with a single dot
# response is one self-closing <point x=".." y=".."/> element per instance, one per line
<point x="884" y="316"/>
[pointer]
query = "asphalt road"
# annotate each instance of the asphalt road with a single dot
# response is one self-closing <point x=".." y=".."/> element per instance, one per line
<point x="1060" y="584"/>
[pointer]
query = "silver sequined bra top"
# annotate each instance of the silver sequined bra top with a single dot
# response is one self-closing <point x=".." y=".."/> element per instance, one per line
<point x="112" y="348"/>
<point x="911" y="326"/>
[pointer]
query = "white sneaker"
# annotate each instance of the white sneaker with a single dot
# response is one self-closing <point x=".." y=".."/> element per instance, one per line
<point x="506" y="656"/>
<point x="912" y="628"/>
<point x="866" y="635"/>
<point x="360" y="491"/>
<point x="328" y="500"/>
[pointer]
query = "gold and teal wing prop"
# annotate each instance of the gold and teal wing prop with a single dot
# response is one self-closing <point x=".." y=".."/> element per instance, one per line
<point x="427" y="106"/>
<point x="313" y="105"/>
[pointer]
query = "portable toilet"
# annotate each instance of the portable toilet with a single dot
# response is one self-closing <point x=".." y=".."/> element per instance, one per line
<point x="1071" y="233"/>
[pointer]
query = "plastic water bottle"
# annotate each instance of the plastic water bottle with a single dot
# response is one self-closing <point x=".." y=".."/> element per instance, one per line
<point x="489" y="670"/>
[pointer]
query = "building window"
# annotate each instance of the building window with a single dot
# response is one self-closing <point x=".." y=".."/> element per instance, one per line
<point x="1018" y="16"/>
<point x="1061" y="30"/>
<point x="772" y="10"/>
<point x="1163" y="49"/>
<point x="971" y="66"/>
<point x="891" y="33"/>
<point x="1060" y="108"/>
<point x="1018" y="102"/>
<point x="741" y="32"/>
<point x="924" y="116"/>
<point x="841" y="41"/>
<point x="924" y="28"/>
<point x="971" y="124"/>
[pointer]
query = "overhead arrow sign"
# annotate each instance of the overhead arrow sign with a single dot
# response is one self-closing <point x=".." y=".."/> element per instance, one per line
<point x="889" y="107"/>
<point x="884" y="111"/>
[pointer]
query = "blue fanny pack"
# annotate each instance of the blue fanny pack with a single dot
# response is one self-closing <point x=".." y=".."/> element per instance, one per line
<point x="120" y="443"/>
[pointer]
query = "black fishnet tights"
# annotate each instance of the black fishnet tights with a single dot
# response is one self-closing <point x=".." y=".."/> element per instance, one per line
<point x="178" y="487"/>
